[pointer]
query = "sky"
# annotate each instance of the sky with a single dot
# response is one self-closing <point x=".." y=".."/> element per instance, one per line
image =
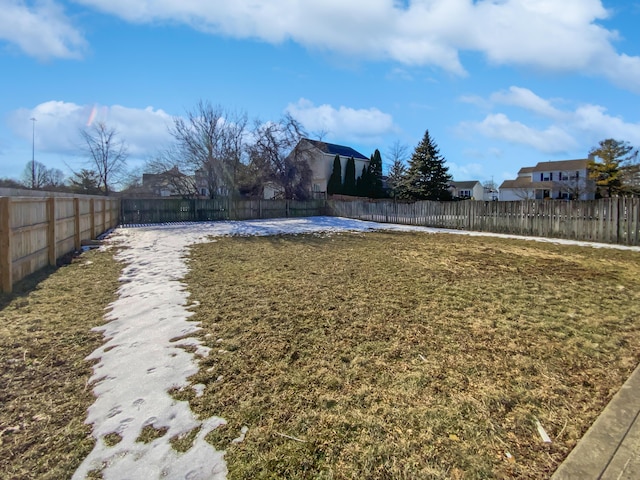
<point x="499" y="84"/>
<point x="147" y="328"/>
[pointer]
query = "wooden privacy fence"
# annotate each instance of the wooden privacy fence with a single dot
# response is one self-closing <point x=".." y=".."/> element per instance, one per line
<point x="161" y="210"/>
<point x="37" y="231"/>
<point x="608" y="220"/>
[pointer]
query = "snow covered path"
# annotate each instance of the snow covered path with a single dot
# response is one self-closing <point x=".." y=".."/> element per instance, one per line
<point x="139" y="363"/>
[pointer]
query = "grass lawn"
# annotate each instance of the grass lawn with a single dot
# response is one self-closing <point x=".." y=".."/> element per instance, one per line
<point x="378" y="355"/>
<point x="405" y="355"/>
<point x="44" y="337"/>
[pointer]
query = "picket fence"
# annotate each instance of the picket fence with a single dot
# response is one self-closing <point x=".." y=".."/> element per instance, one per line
<point x="37" y="231"/>
<point x="608" y="220"/>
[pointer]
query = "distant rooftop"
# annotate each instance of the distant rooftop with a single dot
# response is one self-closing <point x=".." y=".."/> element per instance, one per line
<point x="469" y="184"/>
<point x="333" y="149"/>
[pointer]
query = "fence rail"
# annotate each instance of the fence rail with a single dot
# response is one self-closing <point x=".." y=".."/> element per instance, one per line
<point x="608" y="220"/>
<point x="140" y="211"/>
<point x="37" y="231"/>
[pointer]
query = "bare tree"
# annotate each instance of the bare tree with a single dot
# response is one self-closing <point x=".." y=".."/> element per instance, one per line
<point x="574" y="187"/>
<point x="281" y="158"/>
<point x="206" y="153"/>
<point x="35" y="175"/>
<point x="524" y="193"/>
<point x="397" y="154"/>
<point x="107" y="153"/>
<point x="490" y="189"/>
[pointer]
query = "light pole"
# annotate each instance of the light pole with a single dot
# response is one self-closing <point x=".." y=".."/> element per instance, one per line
<point x="33" y="153"/>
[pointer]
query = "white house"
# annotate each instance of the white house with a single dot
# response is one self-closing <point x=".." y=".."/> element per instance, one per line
<point x="471" y="189"/>
<point x="562" y="180"/>
<point x="320" y="156"/>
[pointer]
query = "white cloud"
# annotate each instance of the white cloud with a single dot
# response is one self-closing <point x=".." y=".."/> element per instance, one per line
<point x="41" y="30"/>
<point x="543" y="34"/>
<point x="58" y="125"/>
<point x="498" y="126"/>
<point x="525" y="98"/>
<point x="589" y="123"/>
<point x="343" y="122"/>
<point x="469" y="171"/>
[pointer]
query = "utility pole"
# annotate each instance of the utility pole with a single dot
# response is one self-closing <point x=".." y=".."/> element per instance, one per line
<point x="33" y="153"/>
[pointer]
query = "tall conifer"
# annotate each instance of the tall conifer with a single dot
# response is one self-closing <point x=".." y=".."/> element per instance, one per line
<point x="427" y="176"/>
<point x="350" y="178"/>
<point x="334" y="186"/>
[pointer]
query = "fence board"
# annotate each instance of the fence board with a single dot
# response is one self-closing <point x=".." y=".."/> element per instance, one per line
<point x="164" y="210"/>
<point x="608" y="220"/>
<point x="36" y="231"/>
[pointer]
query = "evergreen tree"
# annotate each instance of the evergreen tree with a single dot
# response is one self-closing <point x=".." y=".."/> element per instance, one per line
<point x="374" y="177"/>
<point x="427" y="177"/>
<point x="335" y="180"/>
<point x="397" y="174"/>
<point x="350" y="178"/>
<point x="614" y="156"/>
<point x="363" y="182"/>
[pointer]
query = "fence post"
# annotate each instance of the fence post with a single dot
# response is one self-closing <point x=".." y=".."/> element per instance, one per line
<point x="76" y="232"/>
<point x="51" y="231"/>
<point x="92" y="214"/>
<point x="5" y="244"/>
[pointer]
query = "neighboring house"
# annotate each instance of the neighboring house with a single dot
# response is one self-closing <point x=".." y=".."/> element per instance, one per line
<point x="471" y="189"/>
<point x="203" y="184"/>
<point x="171" y="183"/>
<point x="321" y="156"/>
<point x="561" y="180"/>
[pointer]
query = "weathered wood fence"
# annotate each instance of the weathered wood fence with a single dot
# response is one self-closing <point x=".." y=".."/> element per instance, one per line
<point x="37" y="231"/>
<point x="608" y="220"/>
<point x="142" y="211"/>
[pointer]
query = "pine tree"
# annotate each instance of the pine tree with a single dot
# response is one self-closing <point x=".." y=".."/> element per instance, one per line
<point x="349" y="187"/>
<point x="374" y="177"/>
<point x="427" y="177"/>
<point x="609" y="172"/>
<point x="363" y="183"/>
<point x="334" y="186"/>
<point x="397" y="174"/>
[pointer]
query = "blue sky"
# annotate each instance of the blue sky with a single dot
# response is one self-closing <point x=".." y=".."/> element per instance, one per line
<point x="499" y="84"/>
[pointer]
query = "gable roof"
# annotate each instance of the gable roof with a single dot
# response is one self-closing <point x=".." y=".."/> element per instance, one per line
<point x="525" y="183"/>
<point x="526" y="170"/>
<point x="465" y="185"/>
<point x="334" y="149"/>
<point x="561" y="165"/>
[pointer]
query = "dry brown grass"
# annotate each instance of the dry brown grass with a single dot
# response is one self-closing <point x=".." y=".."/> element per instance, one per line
<point x="390" y="355"/>
<point x="44" y="339"/>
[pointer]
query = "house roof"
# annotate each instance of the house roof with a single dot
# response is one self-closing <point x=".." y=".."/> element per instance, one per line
<point x="526" y="183"/>
<point x="526" y="170"/>
<point x="561" y="165"/>
<point x="333" y="149"/>
<point x="465" y="185"/>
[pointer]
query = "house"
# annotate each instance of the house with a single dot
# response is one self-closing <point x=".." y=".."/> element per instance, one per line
<point x="320" y="156"/>
<point x="471" y="189"/>
<point x="562" y="180"/>
<point x="167" y="184"/>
